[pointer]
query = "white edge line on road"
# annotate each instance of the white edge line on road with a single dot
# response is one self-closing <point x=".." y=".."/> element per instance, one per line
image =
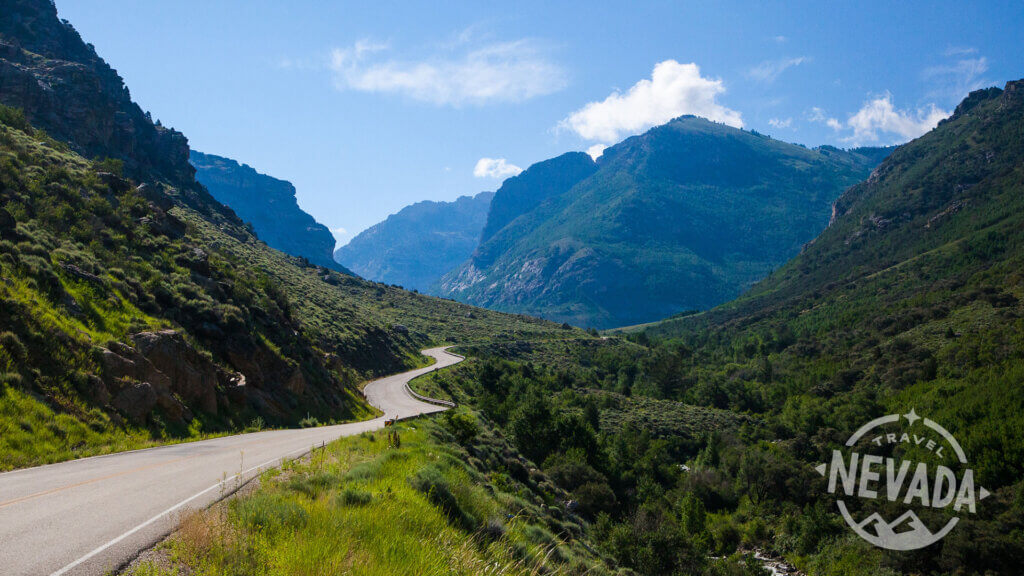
<point x="103" y="547"/>
<point x="181" y="504"/>
<point x="201" y="440"/>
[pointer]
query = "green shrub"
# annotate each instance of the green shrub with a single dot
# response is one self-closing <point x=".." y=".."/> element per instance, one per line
<point x="460" y="424"/>
<point x="309" y="422"/>
<point x="269" y="512"/>
<point x="431" y="482"/>
<point x="15" y="118"/>
<point x="312" y="485"/>
<point x="354" y="497"/>
<point x="11" y="344"/>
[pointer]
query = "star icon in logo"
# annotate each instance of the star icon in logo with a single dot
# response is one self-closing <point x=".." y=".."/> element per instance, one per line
<point x="911" y="417"/>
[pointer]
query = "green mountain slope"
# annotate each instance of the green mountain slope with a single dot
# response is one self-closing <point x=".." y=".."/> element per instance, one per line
<point x="138" y="308"/>
<point x="524" y="192"/>
<point x="911" y="298"/>
<point x="416" y="246"/>
<point x="268" y="204"/>
<point x="685" y="216"/>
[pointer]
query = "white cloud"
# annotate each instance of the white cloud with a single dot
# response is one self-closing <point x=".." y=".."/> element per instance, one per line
<point x="818" y="115"/>
<point x="673" y="90"/>
<point x="596" y="150"/>
<point x="960" y="51"/>
<point x="880" y="117"/>
<point x="780" y="123"/>
<point x="496" y="72"/>
<point x="780" y="39"/>
<point x="769" y="70"/>
<point x="953" y="81"/>
<point x="341" y="235"/>
<point x="495" y="168"/>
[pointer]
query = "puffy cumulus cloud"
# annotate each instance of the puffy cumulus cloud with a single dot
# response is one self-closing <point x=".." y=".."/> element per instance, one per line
<point x="818" y="115"/>
<point x="497" y="72"/>
<point x="769" y="70"/>
<point x="596" y="150"/>
<point x="495" y="168"/>
<point x="673" y="90"/>
<point x="780" y="123"/>
<point x="879" y="116"/>
<point x="341" y="235"/>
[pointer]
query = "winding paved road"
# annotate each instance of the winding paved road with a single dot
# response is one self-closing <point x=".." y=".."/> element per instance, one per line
<point x="92" y="515"/>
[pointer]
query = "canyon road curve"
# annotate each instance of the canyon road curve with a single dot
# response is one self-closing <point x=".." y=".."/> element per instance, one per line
<point x="92" y="515"/>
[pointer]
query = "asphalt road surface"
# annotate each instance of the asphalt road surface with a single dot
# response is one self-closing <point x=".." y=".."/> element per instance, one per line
<point x="93" y="515"/>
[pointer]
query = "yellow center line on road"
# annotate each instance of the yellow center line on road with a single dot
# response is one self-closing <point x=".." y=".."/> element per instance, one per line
<point x="99" y="479"/>
<point x="109" y="476"/>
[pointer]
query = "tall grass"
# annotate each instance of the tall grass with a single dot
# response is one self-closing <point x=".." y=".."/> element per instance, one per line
<point x="363" y="507"/>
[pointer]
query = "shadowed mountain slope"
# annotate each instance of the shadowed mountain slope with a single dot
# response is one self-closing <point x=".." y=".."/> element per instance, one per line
<point x="268" y="204"/>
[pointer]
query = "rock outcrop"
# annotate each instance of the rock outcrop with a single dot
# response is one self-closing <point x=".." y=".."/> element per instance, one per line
<point x="164" y="370"/>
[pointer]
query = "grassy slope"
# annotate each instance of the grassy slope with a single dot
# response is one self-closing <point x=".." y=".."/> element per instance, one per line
<point x="336" y="329"/>
<point x="430" y="505"/>
<point x="345" y="308"/>
<point x="44" y="351"/>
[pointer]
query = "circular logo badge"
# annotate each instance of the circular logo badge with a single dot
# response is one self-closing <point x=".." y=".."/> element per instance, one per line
<point x="934" y="476"/>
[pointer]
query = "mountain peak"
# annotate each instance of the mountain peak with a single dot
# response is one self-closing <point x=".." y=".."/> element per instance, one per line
<point x="684" y="216"/>
<point x="416" y="246"/>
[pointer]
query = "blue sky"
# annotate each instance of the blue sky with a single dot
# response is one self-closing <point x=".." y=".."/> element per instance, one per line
<point x="368" y="107"/>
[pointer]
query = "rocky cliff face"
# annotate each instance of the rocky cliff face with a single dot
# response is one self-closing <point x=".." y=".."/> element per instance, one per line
<point x="162" y="369"/>
<point x="66" y="89"/>
<point x="419" y="244"/>
<point x="269" y="205"/>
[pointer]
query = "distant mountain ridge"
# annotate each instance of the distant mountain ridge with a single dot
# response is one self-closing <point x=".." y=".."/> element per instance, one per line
<point x="269" y="204"/>
<point x="416" y="246"/>
<point x="685" y="216"/>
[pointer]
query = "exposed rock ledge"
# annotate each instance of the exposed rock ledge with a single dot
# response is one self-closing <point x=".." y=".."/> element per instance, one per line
<point x="161" y="370"/>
